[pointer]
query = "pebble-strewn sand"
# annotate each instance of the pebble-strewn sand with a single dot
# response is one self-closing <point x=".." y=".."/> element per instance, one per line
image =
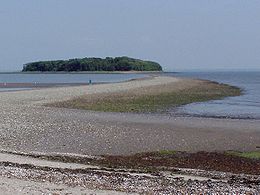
<point x="55" y="179"/>
<point x="28" y="126"/>
<point x="11" y="186"/>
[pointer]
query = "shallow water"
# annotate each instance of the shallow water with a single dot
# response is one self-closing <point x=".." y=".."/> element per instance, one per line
<point x="64" y="78"/>
<point x="14" y="89"/>
<point x="244" y="106"/>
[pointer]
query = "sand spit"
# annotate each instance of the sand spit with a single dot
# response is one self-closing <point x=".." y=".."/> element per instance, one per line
<point x="49" y="95"/>
<point x="23" y="117"/>
<point x="28" y="126"/>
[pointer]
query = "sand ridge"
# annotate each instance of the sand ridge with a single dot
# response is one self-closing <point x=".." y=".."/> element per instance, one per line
<point x="28" y="126"/>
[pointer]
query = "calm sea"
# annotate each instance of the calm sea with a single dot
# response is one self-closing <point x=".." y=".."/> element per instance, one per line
<point x="63" y="78"/>
<point x="245" y="106"/>
<point x="66" y="78"/>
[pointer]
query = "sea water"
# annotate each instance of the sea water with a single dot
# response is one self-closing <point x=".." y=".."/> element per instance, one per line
<point x="66" y="78"/>
<point x="246" y="106"/>
<point x="70" y="78"/>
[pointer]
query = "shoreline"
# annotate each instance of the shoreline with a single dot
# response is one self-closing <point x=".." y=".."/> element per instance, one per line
<point x="151" y="99"/>
<point x="39" y="85"/>
<point x="214" y="117"/>
<point x="14" y="87"/>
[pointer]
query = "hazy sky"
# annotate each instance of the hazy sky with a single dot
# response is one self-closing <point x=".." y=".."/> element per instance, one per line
<point x="180" y="35"/>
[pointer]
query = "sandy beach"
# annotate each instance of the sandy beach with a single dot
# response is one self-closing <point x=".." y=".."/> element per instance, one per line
<point x="28" y="126"/>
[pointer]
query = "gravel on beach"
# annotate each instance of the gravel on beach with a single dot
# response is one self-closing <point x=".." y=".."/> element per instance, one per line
<point x="28" y="126"/>
<point x="23" y="117"/>
<point x="42" y="180"/>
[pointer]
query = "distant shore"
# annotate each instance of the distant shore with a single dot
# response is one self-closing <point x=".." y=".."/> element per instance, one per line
<point x="83" y="72"/>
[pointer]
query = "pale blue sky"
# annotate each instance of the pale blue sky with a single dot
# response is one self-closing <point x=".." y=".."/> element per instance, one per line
<point x="181" y="35"/>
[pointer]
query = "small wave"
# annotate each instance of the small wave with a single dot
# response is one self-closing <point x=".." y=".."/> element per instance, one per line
<point x="227" y="102"/>
<point x="239" y="117"/>
<point x="237" y="104"/>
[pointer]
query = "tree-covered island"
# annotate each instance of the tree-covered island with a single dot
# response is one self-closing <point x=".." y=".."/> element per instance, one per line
<point x="93" y="64"/>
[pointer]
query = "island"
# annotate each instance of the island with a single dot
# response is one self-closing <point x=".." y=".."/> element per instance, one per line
<point x="93" y="64"/>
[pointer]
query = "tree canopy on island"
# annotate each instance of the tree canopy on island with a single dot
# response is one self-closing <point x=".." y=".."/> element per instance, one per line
<point x="93" y="64"/>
